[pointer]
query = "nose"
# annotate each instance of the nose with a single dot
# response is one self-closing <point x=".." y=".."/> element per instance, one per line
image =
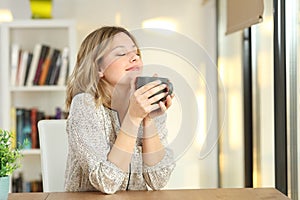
<point x="134" y="57"/>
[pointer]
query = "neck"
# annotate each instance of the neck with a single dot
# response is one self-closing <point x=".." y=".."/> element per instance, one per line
<point x="120" y="95"/>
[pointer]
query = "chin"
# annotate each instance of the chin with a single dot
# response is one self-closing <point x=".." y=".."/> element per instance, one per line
<point x="127" y="78"/>
<point x="134" y="74"/>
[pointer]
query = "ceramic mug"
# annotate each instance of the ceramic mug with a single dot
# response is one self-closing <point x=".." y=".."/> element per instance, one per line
<point x="143" y="80"/>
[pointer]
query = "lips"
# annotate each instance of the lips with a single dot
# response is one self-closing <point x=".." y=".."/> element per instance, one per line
<point x="133" y="68"/>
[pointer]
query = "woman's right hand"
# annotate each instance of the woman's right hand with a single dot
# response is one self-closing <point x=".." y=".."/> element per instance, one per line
<point x="140" y="105"/>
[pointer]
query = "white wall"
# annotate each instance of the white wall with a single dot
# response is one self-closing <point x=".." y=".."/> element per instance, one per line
<point x="231" y="141"/>
<point x="196" y="22"/>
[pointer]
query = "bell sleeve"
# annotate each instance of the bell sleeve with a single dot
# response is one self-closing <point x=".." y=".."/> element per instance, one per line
<point x="89" y="143"/>
<point x="157" y="176"/>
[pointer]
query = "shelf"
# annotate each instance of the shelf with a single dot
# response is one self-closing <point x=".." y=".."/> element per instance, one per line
<point x="37" y="88"/>
<point x="46" y="99"/>
<point x="38" y="24"/>
<point x="27" y="152"/>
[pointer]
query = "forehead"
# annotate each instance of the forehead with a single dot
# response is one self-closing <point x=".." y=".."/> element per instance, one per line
<point x="122" y="39"/>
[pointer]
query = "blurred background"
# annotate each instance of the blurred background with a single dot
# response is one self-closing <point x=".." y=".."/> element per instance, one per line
<point x="241" y="102"/>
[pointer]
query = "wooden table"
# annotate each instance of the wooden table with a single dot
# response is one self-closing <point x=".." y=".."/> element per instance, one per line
<point x="186" y="194"/>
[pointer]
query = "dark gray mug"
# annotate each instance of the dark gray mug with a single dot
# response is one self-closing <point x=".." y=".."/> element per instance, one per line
<point x="143" y="80"/>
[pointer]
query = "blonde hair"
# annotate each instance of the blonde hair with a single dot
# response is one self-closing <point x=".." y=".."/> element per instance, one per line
<point x="85" y="76"/>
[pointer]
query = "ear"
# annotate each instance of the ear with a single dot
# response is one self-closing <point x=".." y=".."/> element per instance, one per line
<point x="100" y="74"/>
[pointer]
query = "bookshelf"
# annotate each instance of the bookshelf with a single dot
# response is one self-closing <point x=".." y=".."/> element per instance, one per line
<point x="58" y="34"/>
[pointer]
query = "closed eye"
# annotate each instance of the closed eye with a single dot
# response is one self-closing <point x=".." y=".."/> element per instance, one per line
<point x="121" y="54"/>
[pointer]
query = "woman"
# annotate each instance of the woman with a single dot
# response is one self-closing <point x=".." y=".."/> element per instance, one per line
<point x="117" y="135"/>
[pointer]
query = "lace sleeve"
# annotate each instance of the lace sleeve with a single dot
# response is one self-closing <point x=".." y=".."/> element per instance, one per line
<point x="158" y="175"/>
<point x="88" y="130"/>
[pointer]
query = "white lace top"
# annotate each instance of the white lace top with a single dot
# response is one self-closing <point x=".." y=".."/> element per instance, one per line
<point x="91" y="134"/>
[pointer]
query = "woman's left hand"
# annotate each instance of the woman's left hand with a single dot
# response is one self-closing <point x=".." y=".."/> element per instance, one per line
<point x="163" y="107"/>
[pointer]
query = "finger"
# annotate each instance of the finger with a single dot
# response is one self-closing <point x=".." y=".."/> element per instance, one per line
<point x="162" y="106"/>
<point x="157" y="97"/>
<point x="154" y="107"/>
<point x="168" y="101"/>
<point x="148" y="86"/>
<point x="155" y="90"/>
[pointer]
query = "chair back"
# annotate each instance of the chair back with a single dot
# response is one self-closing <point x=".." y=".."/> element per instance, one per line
<point x="54" y="146"/>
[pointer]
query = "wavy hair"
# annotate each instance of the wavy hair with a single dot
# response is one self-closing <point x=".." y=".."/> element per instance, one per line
<point x="85" y="77"/>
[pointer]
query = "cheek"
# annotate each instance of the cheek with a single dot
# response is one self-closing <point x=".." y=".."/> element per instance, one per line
<point x="107" y="62"/>
<point x="141" y="64"/>
<point x="114" y="68"/>
<point x="113" y="75"/>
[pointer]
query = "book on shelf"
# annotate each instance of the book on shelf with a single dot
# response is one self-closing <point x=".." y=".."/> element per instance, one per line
<point x="34" y="130"/>
<point x="64" y="70"/>
<point x="44" y="52"/>
<point x="34" y="64"/>
<point x="21" y="72"/>
<point x="36" y="115"/>
<point x="19" y="126"/>
<point x="24" y="121"/>
<point x="13" y="129"/>
<point x="15" y="53"/>
<point x="23" y="127"/>
<point x="26" y="131"/>
<point x="53" y="67"/>
<point x="46" y="65"/>
<point x="55" y="73"/>
<point x="28" y="65"/>
<point x="20" y="185"/>
<point x="17" y="182"/>
<point x="45" y="68"/>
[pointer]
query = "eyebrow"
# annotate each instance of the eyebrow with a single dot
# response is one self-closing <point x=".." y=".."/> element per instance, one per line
<point x="122" y="46"/>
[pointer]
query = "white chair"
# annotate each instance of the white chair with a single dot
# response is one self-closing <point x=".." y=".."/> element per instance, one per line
<point x="53" y="145"/>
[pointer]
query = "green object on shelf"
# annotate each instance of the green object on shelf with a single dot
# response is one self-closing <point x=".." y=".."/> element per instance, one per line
<point x="10" y="157"/>
<point x="41" y="9"/>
